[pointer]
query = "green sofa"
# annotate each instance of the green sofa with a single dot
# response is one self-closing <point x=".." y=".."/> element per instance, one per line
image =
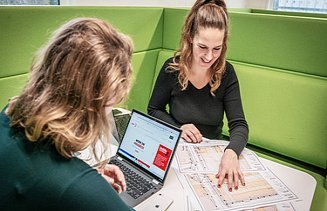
<point x="280" y="59"/>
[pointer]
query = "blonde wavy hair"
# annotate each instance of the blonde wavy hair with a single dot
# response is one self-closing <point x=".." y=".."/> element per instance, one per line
<point x="85" y="65"/>
<point x="203" y="14"/>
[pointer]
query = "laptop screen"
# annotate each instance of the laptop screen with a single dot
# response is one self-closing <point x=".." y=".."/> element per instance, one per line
<point x="149" y="143"/>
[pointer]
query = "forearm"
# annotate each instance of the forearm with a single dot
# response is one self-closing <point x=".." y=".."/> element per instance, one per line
<point x="238" y="138"/>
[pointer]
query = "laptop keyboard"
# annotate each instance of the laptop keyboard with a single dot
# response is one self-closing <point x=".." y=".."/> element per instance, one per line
<point x="136" y="184"/>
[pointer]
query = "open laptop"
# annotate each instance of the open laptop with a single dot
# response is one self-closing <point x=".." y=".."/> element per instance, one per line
<point x="144" y="155"/>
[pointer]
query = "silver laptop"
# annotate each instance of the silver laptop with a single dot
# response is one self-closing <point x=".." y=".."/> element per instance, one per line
<point x="144" y="155"/>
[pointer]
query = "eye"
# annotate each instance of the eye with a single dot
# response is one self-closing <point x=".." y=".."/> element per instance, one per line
<point x="217" y="49"/>
<point x="202" y="47"/>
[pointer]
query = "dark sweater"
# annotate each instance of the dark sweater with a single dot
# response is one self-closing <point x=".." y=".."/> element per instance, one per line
<point x="35" y="177"/>
<point x="199" y="107"/>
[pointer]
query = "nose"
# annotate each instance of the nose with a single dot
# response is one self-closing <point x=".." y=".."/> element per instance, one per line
<point x="208" y="55"/>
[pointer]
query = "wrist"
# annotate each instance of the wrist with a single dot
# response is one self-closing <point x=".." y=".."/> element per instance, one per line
<point x="230" y="152"/>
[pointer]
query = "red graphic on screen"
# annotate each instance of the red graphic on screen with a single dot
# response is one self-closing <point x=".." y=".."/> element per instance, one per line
<point x="143" y="163"/>
<point x="162" y="157"/>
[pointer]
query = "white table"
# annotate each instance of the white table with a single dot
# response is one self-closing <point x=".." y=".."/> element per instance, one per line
<point x="302" y="184"/>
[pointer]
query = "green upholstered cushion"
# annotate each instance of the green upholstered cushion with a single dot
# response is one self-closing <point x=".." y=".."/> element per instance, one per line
<point x="162" y="57"/>
<point x="25" y="29"/>
<point x="292" y="43"/>
<point x="144" y="64"/>
<point x="10" y="87"/>
<point x="286" y="111"/>
<point x="319" y="201"/>
<point x="172" y="28"/>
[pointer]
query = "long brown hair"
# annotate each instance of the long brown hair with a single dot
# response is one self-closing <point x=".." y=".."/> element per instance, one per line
<point x="85" y="64"/>
<point x="203" y="14"/>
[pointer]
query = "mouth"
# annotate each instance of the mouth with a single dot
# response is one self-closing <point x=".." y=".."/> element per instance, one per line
<point x="205" y="61"/>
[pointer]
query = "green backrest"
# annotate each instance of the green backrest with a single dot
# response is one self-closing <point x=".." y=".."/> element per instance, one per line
<point x="172" y="28"/>
<point x="286" y="111"/>
<point x="143" y="65"/>
<point x="162" y="57"/>
<point x="25" y="29"/>
<point x="281" y="64"/>
<point x="291" y="43"/>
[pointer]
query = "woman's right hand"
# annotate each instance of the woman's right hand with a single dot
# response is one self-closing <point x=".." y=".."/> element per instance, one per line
<point x="191" y="134"/>
<point x="114" y="176"/>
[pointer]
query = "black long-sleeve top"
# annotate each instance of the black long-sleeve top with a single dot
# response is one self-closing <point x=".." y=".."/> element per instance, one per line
<point x="199" y="107"/>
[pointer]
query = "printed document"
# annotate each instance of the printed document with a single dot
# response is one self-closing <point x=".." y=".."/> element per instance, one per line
<point x="198" y="164"/>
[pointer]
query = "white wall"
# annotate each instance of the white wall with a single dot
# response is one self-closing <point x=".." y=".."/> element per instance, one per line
<point x="259" y="4"/>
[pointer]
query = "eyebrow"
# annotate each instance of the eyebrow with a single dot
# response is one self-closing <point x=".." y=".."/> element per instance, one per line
<point x="218" y="46"/>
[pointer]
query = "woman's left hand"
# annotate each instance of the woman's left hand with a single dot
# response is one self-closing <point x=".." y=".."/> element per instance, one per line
<point x="114" y="176"/>
<point x="229" y="170"/>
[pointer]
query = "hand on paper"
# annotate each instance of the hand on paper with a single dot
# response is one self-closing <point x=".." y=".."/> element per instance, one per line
<point x="114" y="176"/>
<point x="230" y="171"/>
<point x="191" y="134"/>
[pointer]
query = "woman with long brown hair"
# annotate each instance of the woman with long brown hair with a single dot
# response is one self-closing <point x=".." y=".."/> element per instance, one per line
<point x="200" y="86"/>
<point x="74" y="80"/>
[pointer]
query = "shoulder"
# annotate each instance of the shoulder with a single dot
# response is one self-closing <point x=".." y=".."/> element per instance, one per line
<point x="4" y="120"/>
<point x="229" y="70"/>
<point x="169" y="62"/>
<point x="167" y="69"/>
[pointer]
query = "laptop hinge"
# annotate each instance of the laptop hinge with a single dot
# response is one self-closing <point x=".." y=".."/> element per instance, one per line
<point x="155" y="181"/>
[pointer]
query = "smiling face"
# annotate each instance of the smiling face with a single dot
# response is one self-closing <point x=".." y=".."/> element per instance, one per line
<point x="207" y="46"/>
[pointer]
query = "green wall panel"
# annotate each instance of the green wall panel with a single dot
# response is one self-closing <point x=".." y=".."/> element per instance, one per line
<point x="10" y="87"/>
<point x="144" y="64"/>
<point x="25" y="29"/>
<point x="172" y="28"/>
<point x="162" y="57"/>
<point x="291" y="43"/>
<point x="286" y="112"/>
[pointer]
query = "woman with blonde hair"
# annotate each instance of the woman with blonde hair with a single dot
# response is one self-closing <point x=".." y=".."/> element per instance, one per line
<point x="199" y="86"/>
<point x="74" y="81"/>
